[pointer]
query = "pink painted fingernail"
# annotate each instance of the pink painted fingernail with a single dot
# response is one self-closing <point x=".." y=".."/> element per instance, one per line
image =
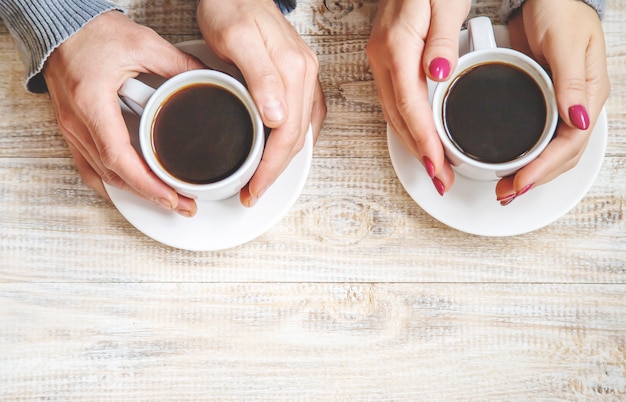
<point x="430" y="168"/>
<point x="439" y="68"/>
<point x="525" y="190"/>
<point x="507" y="198"/>
<point x="441" y="189"/>
<point x="579" y="117"/>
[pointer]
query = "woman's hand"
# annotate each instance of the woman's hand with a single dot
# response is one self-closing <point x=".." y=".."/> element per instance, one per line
<point x="410" y="41"/>
<point x="566" y="37"/>
<point x="83" y="76"/>
<point x="281" y="72"/>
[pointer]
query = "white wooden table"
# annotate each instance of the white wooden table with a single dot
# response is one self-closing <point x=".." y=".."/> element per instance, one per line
<point x="356" y="294"/>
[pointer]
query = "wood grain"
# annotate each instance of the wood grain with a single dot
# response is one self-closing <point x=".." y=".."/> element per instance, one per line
<point x="313" y="341"/>
<point x="356" y="294"/>
<point x="340" y="230"/>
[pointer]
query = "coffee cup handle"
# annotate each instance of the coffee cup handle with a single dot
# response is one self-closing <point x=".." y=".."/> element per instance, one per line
<point x="135" y="94"/>
<point x="480" y="34"/>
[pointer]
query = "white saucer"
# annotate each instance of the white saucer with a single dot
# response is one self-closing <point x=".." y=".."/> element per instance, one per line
<point x="217" y="225"/>
<point x="471" y="206"/>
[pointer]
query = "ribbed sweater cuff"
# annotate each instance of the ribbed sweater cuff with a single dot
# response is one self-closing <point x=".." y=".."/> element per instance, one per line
<point x="509" y="6"/>
<point x="40" y="26"/>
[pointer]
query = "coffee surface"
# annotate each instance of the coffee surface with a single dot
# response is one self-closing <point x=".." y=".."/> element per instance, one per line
<point x="202" y="134"/>
<point x="494" y="112"/>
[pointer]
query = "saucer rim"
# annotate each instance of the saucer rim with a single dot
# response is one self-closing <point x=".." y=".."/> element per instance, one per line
<point x="270" y="209"/>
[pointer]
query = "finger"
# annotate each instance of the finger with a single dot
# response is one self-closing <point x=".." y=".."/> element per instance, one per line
<point x="186" y="206"/>
<point x="272" y="163"/>
<point x="91" y="169"/>
<point x="441" y="52"/>
<point x="562" y="154"/>
<point x="318" y="113"/>
<point x="284" y="141"/>
<point x="411" y="99"/>
<point x="93" y="175"/>
<point x="245" y="198"/>
<point x="313" y="95"/>
<point x="121" y="160"/>
<point x="598" y="85"/>
<point x="278" y="154"/>
<point x="116" y="154"/>
<point x="79" y="139"/>
<point x="87" y="173"/>
<point x="263" y="79"/>
<point x="442" y="177"/>
<point x="384" y="89"/>
<point x="505" y="190"/>
<point x="166" y="60"/>
<point x="567" y="64"/>
<point x="299" y="71"/>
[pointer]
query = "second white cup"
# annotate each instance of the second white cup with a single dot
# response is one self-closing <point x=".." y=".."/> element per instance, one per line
<point x="497" y="112"/>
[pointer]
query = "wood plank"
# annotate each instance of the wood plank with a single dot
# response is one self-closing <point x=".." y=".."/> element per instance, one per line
<point x="336" y="341"/>
<point x="357" y="294"/>
<point x="354" y="221"/>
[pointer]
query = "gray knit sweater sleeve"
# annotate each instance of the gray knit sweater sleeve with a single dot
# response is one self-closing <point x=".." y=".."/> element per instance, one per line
<point x="509" y="6"/>
<point x="39" y="26"/>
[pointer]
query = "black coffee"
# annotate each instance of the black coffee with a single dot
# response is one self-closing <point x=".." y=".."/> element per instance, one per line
<point x="494" y="113"/>
<point x="202" y="134"/>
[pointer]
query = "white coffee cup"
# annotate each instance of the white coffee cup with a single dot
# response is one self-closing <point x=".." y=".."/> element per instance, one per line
<point x="147" y="101"/>
<point x="483" y="50"/>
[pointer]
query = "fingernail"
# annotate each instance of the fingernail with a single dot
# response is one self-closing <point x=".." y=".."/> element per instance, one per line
<point x="252" y="201"/>
<point x="254" y="198"/>
<point x="507" y="201"/>
<point x="439" y="68"/>
<point x="185" y="213"/>
<point x="504" y="201"/>
<point x="579" y="117"/>
<point x="524" y="190"/>
<point x="164" y="203"/>
<point x="441" y="189"/>
<point x="507" y="198"/>
<point x="274" y="111"/>
<point x="430" y="168"/>
<point x="260" y="193"/>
